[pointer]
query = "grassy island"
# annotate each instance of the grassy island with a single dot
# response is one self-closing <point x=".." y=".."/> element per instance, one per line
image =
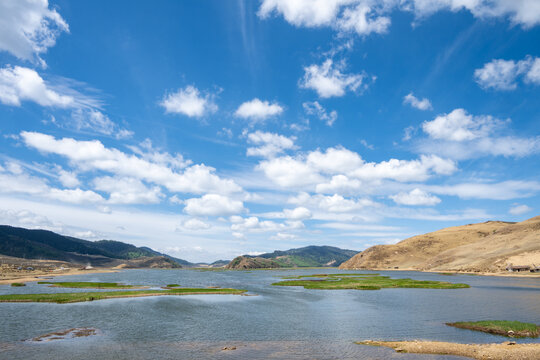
<point x="363" y="282"/>
<point x="500" y="327"/>
<point x="90" y="285"/>
<point x="62" y="298"/>
<point x="16" y="284"/>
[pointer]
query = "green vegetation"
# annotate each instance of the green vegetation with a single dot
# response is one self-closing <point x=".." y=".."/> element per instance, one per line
<point x="500" y="327"/>
<point x="172" y="285"/>
<point x="62" y="298"/>
<point x="327" y="275"/>
<point x="90" y="285"/>
<point x="18" y="284"/>
<point x="364" y="282"/>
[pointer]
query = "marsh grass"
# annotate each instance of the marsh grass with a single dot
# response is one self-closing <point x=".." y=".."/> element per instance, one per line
<point x="364" y="282"/>
<point x="62" y="298"/>
<point x="18" y="284"/>
<point x="500" y="327"/>
<point x="90" y="285"/>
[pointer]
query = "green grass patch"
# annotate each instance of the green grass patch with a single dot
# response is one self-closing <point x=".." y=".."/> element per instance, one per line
<point x="18" y="284"/>
<point x="172" y="285"/>
<point x="364" y="282"/>
<point x="62" y="298"/>
<point x="500" y="327"/>
<point x="90" y="285"/>
<point x="327" y="276"/>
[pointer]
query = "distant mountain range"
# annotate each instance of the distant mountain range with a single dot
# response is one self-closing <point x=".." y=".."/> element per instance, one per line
<point x="309" y="256"/>
<point x="47" y="245"/>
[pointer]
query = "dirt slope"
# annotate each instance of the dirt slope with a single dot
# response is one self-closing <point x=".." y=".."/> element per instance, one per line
<point x="484" y="247"/>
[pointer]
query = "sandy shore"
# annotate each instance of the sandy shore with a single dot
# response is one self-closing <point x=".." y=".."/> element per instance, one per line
<point x="8" y="277"/>
<point x="505" y="351"/>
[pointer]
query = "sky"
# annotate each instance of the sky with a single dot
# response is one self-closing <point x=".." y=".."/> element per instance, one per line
<point x="211" y="129"/>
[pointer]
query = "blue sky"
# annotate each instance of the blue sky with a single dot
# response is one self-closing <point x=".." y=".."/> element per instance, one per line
<point x="211" y="129"/>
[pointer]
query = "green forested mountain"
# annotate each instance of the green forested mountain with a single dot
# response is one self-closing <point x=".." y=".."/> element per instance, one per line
<point x="47" y="245"/>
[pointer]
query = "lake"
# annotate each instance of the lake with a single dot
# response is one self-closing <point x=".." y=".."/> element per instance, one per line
<point x="279" y="323"/>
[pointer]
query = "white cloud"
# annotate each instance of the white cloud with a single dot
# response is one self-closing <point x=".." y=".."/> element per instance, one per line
<point x="362" y="17"/>
<point x="339" y="184"/>
<point x="460" y="126"/>
<point x="195" y="224"/>
<point x="75" y="196"/>
<point x="67" y="178"/>
<point x="406" y="170"/>
<point x="125" y="190"/>
<point x="93" y="155"/>
<point x="517" y="209"/>
<point x="213" y="205"/>
<point x="18" y="84"/>
<point x="505" y="190"/>
<point x="252" y="224"/>
<point x="523" y="12"/>
<point x="299" y="213"/>
<point x="415" y="197"/>
<point x="502" y="74"/>
<point x="423" y="104"/>
<point x="371" y="16"/>
<point x="332" y="204"/>
<point x="314" y="108"/>
<point x="334" y="160"/>
<point x="459" y="135"/>
<point x="257" y="110"/>
<point x="189" y="101"/>
<point x="270" y="144"/>
<point x="328" y="80"/>
<point x="287" y="171"/>
<point x="28" y="28"/>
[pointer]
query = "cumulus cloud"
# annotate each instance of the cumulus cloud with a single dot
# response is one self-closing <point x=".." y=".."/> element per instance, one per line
<point x="420" y="104"/>
<point x="257" y="110"/>
<point x="126" y="190"/>
<point x="328" y="80"/>
<point x="458" y="125"/>
<point x="269" y="144"/>
<point x="339" y="184"/>
<point x="518" y="209"/>
<point x="29" y="27"/>
<point x="332" y="204"/>
<point x="93" y="155"/>
<point x="460" y="135"/>
<point x="500" y="74"/>
<point x="195" y="224"/>
<point x="314" y="108"/>
<point x="189" y="101"/>
<point x="213" y="205"/>
<point x="252" y="224"/>
<point x="415" y="197"/>
<point x="365" y="17"/>
<point x="313" y="169"/>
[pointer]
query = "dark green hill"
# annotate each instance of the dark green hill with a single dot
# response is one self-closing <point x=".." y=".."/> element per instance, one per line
<point x="47" y="245"/>
<point x="309" y="256"/>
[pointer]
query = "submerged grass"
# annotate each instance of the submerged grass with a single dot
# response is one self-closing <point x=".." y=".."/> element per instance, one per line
<point x="18" y="284"/>
<point x="364" y="282"/>
<point x="500" y="327"/>
<point x="62" y="298"/>
<point x="89" y="285"/>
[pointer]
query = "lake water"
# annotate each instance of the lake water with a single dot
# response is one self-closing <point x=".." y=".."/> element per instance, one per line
<point x="279" y="323"/>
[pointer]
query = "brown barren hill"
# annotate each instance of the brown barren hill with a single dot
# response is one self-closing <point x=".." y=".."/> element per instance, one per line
<point x="483" y="247"/>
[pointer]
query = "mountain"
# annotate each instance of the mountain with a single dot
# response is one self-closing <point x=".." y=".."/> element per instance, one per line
<point x="44" y="244"/>
<point x="483" y="247"/>
<point x="309" y="256"/>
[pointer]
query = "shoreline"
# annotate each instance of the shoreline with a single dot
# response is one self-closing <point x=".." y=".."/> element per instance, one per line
<point x="455" y="272"/>
<point x="494" y="351"/>
<point x="38" y="276"/>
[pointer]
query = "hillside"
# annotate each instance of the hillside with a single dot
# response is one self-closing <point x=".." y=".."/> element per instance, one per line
<point x="309" y="256"/>
<point x="47" y="245"/>
<point x="248" y="262"/>
<point x="483" y="247"/>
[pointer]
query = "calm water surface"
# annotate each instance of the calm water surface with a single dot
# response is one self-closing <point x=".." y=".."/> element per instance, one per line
<point x="279" y="323"/>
